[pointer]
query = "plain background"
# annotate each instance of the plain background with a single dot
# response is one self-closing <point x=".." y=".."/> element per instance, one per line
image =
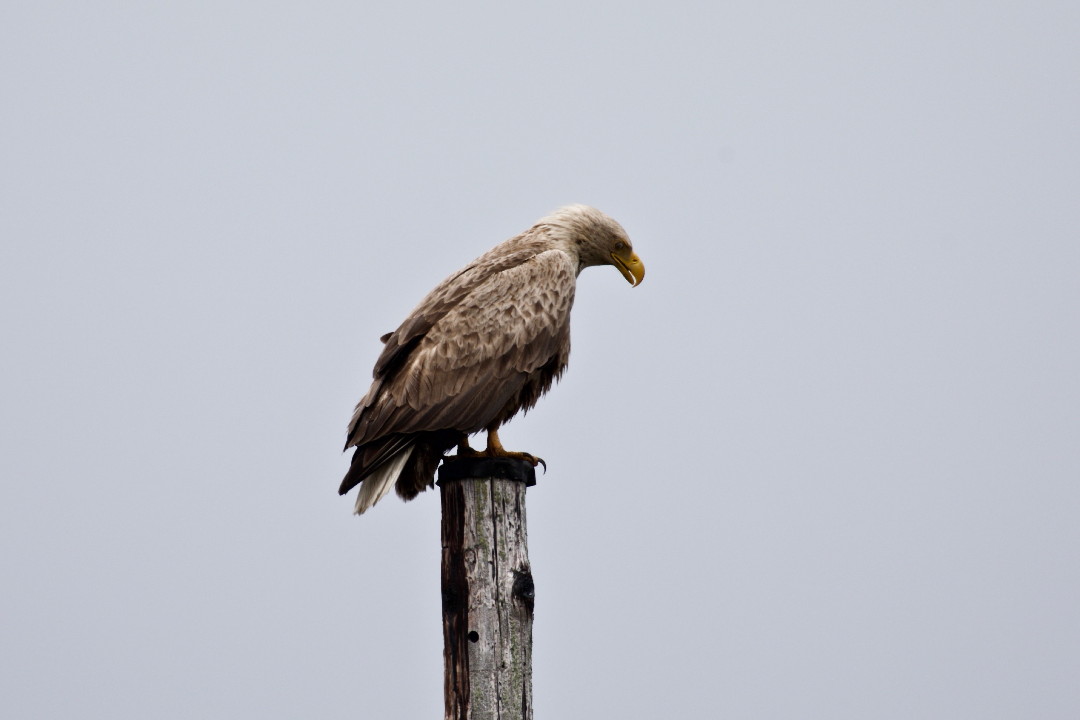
<point x="823" y="463"/>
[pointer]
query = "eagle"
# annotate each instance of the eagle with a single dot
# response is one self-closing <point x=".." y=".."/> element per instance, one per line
<point x="485" y="344"/>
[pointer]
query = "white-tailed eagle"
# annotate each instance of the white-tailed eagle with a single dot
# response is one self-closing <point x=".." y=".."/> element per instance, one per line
<point x="482" y="346"/>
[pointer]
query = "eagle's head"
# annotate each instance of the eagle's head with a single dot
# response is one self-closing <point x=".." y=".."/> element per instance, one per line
<point x="596" y="239"/>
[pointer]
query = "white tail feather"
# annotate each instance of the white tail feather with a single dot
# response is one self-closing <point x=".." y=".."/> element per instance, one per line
<point x="375" y="486"/>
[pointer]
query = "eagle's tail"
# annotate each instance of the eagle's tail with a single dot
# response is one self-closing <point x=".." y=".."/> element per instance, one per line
<point x="407" y="462"/>
<point x="376" y="485"/>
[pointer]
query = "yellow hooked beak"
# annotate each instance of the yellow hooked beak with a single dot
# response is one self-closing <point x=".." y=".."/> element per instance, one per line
<point x="631" y="267"/>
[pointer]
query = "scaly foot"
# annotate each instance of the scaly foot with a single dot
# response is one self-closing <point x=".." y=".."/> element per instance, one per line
<point x="496" y="450"/>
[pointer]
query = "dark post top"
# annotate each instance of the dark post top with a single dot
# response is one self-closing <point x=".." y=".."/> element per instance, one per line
<point x="467" y="468"/>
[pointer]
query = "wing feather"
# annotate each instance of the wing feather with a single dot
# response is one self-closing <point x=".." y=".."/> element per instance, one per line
<point x="470" y="347"/>
<point x="446" y="296"/>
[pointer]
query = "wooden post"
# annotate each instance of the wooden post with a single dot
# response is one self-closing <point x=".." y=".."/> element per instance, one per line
<point x="487" y="589"/>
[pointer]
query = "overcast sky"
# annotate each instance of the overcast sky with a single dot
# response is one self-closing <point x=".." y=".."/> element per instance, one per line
<point x="823" y="463"/>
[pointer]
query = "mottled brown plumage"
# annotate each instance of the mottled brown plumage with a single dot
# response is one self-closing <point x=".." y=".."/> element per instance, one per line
<point x="485" y="344"/>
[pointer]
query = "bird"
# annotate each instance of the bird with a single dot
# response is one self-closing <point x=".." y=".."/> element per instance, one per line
<point x="483" y="345"/>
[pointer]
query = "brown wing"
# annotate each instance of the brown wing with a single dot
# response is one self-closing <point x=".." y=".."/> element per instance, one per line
<point x="444" y="298"/>
<point x="470" y="348"/>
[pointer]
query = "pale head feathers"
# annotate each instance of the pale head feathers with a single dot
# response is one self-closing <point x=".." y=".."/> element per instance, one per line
<point x="587" y="234"/>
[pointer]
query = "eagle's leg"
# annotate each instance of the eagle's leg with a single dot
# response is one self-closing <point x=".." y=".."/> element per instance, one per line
<point x="495" y="449"/>
<point x="464" y="450"/>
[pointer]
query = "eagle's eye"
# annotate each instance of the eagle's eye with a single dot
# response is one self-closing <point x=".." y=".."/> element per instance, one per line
<point x="620" y="245"/>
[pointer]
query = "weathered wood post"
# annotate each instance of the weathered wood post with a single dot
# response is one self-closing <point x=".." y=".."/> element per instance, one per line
<point x="487" y="589"/>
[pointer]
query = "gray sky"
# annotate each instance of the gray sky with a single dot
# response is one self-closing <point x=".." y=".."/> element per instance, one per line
<point x="823" y="463"/>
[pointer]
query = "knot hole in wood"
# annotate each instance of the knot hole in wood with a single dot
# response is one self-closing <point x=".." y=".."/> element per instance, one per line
<point x="524" y="588"/>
